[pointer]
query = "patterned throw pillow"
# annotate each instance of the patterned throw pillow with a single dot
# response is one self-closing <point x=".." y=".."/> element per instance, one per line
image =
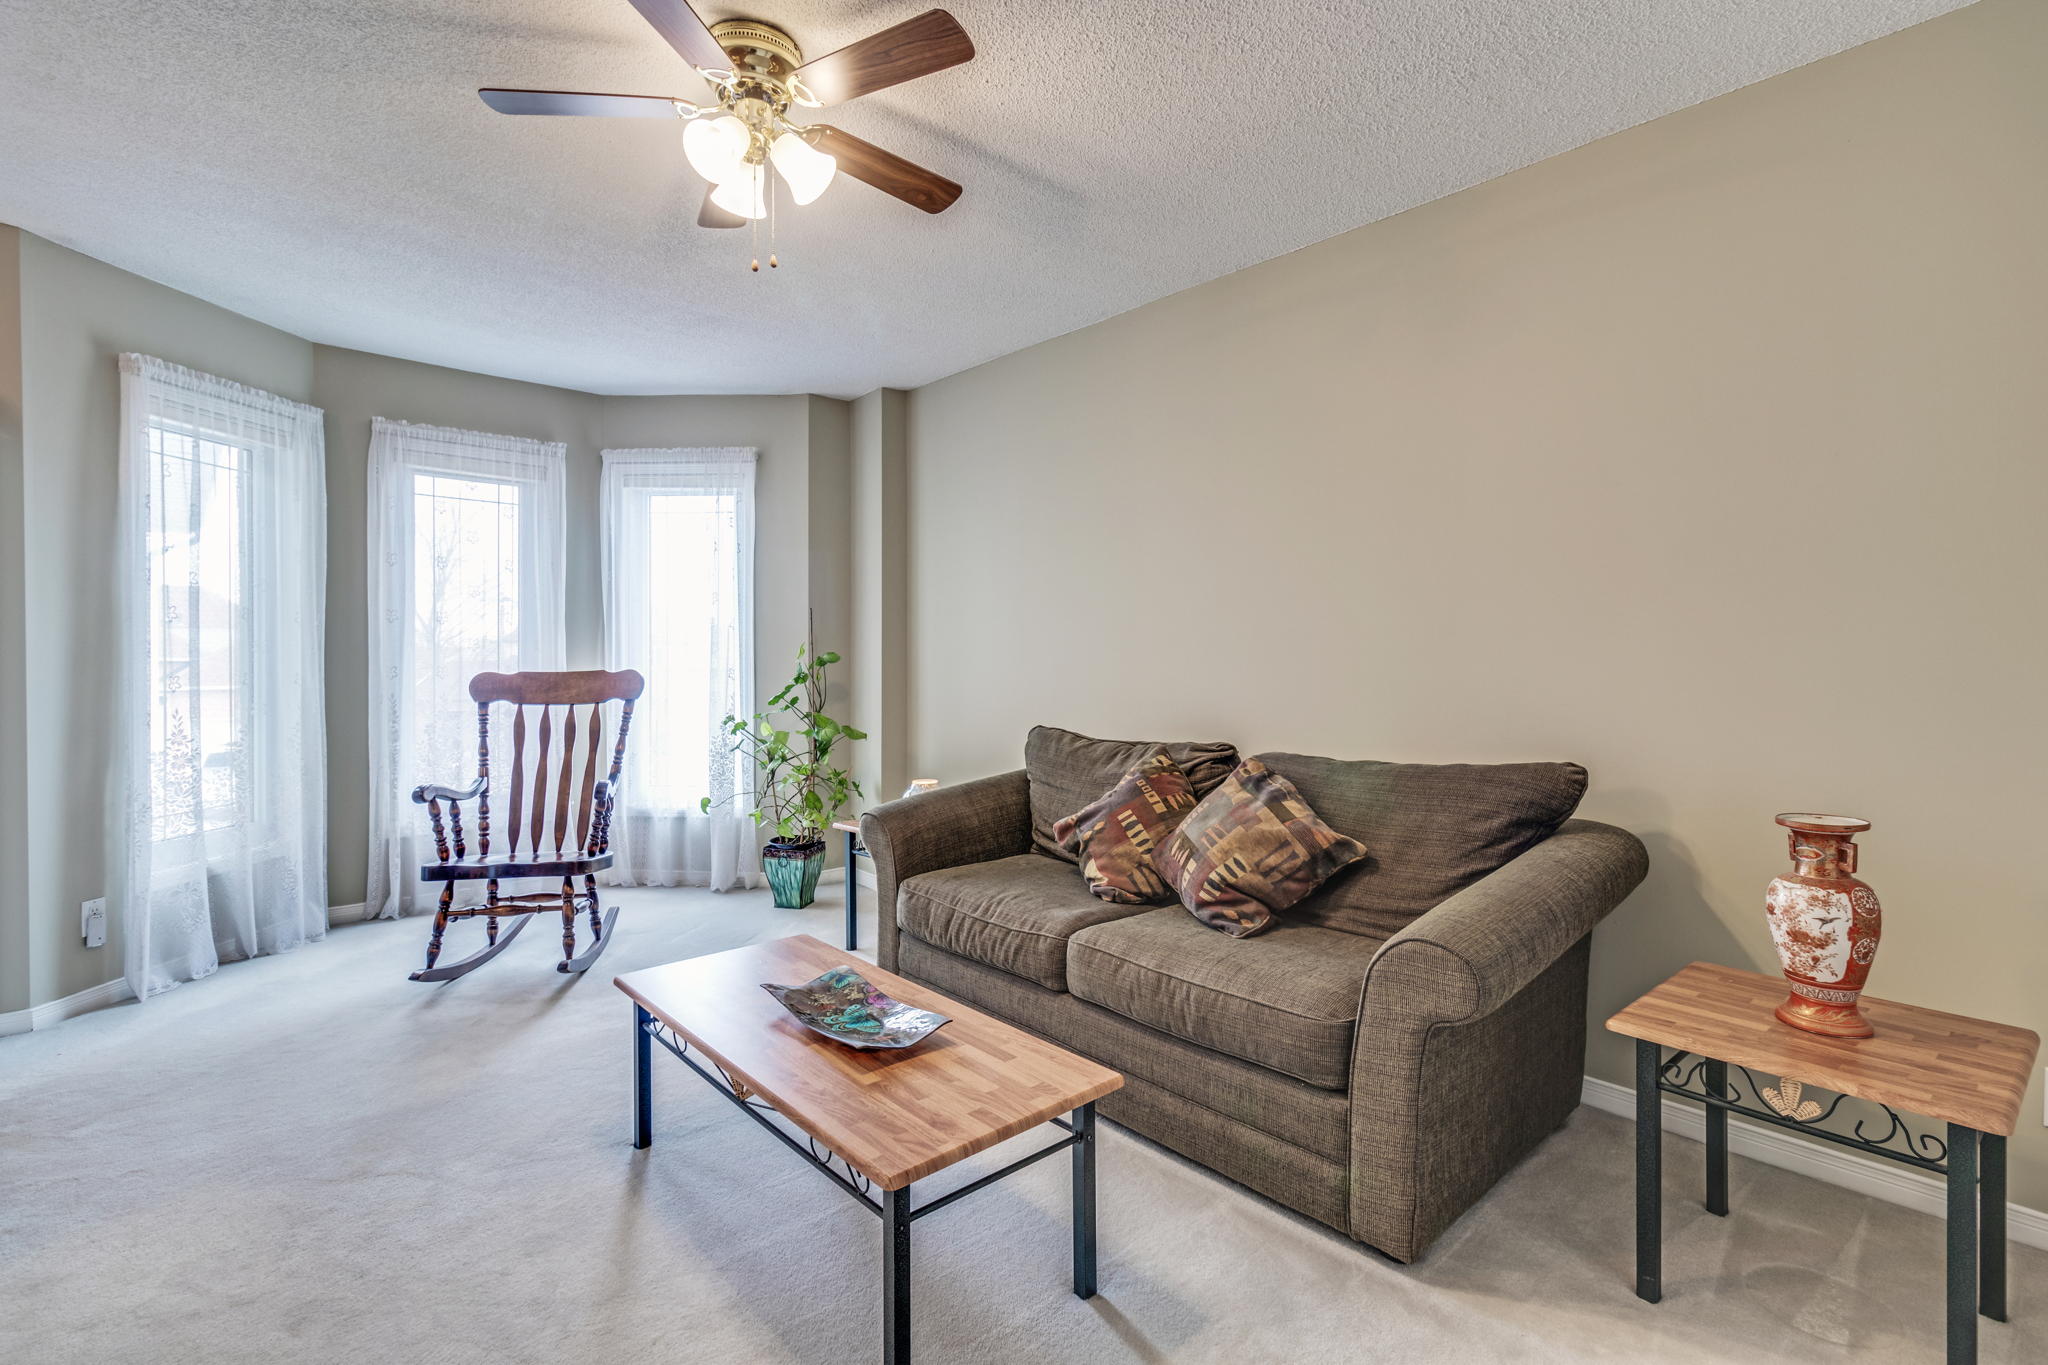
<point x="1114" y="838"/>
<point x="1250" y="848"/>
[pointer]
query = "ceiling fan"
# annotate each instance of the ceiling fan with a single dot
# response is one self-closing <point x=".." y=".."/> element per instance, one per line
<point x="758" y="75"/>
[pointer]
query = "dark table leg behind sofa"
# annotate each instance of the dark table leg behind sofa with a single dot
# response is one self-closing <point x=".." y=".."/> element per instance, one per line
<point x="852" y="891"/>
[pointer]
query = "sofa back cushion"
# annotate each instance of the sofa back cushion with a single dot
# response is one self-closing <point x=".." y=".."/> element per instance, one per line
<point x="1430" y="829"/>
<point x="1069" y="771"/>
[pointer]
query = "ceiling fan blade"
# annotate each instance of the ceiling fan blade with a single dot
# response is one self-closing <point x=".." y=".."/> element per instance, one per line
<point x="886" y="171"/>
<point x="715" y="217"/>
<point x="686" y="33"/>
<point x="576" y="102"/>
<point x="916" y="47"/>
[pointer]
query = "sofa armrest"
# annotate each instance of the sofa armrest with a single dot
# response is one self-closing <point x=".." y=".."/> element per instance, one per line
<point x="1472" y="1034"/>
<point x="1477" y="950"/>
<point x="973" y="822"/>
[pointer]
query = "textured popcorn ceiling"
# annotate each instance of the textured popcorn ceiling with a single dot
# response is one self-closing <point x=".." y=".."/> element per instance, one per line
<point x="326" y="166"/>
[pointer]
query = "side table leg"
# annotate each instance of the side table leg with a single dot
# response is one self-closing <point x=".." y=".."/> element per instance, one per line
<point x="896" y="1276"/>
<point x="1991" y="1226"/>
<point x="1649" y="1175"/>
<point x="852" y="892"/>
<point x="1717" y="1140"/>
<point x="1084" y="1202"/>
<point x="1962" y="1244"/>
<point x="643" y="1090"/>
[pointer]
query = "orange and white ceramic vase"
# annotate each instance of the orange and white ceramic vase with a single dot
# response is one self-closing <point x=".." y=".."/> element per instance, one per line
<point x="1826" y="926"/>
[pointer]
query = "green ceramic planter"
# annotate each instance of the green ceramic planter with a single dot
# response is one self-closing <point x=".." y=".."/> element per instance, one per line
<point x="793" y="872"/>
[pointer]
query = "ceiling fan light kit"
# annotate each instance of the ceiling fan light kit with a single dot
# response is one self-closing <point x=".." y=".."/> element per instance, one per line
<point x="757" y="75"/>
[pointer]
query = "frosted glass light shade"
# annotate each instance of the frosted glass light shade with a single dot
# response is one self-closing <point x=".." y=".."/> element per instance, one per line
<point x="806" y="169"/>
<point x="744" y="195"/>
<point x="716" y="147"/>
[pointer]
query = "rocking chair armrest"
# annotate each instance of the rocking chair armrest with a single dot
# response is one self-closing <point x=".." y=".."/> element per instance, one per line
<point x="428" y="792"/>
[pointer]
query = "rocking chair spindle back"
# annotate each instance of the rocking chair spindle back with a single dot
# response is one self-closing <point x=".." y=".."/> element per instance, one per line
<point x="564" y="793"/>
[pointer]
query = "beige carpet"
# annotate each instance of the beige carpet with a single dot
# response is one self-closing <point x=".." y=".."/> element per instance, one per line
<point x="310" y="1158"/>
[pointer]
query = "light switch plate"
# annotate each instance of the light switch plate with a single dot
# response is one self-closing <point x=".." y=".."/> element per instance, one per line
<point x="92" y="921"/>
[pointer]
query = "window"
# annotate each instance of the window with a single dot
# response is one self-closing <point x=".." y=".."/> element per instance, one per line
<point x="198" y="656"/>
<point x="465" y="619"/>
<point x="465" y="578"/>
<point x="219" y="833"/>
<point x="678" y="533"/>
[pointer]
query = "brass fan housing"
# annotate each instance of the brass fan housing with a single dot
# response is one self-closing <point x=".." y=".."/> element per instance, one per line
<point x="758" y="46"/>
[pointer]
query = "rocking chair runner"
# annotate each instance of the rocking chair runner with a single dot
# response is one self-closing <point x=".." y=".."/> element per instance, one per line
<point x="542" y="813"/>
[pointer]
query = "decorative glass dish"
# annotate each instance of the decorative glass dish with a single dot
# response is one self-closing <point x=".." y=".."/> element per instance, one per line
<point x="847" y="1008"/>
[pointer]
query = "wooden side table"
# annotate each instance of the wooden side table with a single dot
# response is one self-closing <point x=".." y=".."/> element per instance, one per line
<point x="854" y="848"/>
<point x="1970" y="1074"/>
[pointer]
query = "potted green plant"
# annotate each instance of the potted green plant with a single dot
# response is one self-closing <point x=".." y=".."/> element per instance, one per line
<point x="800" y="791"/>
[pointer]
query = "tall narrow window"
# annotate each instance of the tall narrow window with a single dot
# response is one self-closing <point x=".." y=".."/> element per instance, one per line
<point x="679" y="550"/>
<point x="467" y="559"/>
<point x="220" y="809"/>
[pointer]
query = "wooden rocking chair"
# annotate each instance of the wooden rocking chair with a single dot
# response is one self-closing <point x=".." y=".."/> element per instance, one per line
<point x="543" y="816"/>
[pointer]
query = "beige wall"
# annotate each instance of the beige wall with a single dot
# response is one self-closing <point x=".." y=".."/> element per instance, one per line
<point x="1710" y="455"/>
<point x="14" y="838"/>
<point x="879" y="592"/>
<point x="77" y="316"/>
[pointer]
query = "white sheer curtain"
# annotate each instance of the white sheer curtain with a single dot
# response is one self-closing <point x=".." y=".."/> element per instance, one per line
<point x="679" y="606"/>
<point x="467" y="557"/>
<point x="218" y="825"/>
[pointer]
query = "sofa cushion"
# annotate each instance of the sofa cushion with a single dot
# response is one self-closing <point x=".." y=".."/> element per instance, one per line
<point x="1430" y="830"/>
<point x="1069" y="771"/>
<point x="1117" y="835"/>
<point x="1014" y="914"/>
<point x="1286" y="1000"/>
<point x="1251" y="848"/>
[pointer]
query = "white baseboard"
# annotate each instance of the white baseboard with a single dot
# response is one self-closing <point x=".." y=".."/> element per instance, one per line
<point x="1879" y="1179"/>
<point x="15" y="1021"/>
<point x="84" y="1002"/>
<point x="347" y="914"/>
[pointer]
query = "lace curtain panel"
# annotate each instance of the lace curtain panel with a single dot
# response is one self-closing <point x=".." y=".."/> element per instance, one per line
<point x="678" y="606"/>
<point x="467" y="557"/>
<point x="218" y="823"/>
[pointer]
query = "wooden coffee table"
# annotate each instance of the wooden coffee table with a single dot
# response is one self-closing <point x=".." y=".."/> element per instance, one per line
<point x="888" y="1118"/>
<point x="1969" y="1074"/>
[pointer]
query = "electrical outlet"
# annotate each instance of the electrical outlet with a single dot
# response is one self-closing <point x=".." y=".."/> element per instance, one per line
<point x="92" y="921"/>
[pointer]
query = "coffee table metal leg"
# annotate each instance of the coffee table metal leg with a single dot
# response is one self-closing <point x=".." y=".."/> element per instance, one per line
<point x="896" y="1276"/>
<point x="1991" y="1226"/>
<point x="1084" y="1202"/>
<point x="1649" y="1175"/>
<point x="1962" y="1244"/>
<point x="643" y="1088"/>
<point x="1717" y="1141"/>
<point x="852" y="892"/>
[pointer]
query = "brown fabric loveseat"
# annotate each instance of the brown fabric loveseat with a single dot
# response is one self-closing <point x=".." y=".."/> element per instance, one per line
<point x="1376" y="1060"/>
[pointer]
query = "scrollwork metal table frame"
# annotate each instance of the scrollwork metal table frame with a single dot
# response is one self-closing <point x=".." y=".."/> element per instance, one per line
<point x="893" y="1207"/>
<point x="1965" y="1073"/>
